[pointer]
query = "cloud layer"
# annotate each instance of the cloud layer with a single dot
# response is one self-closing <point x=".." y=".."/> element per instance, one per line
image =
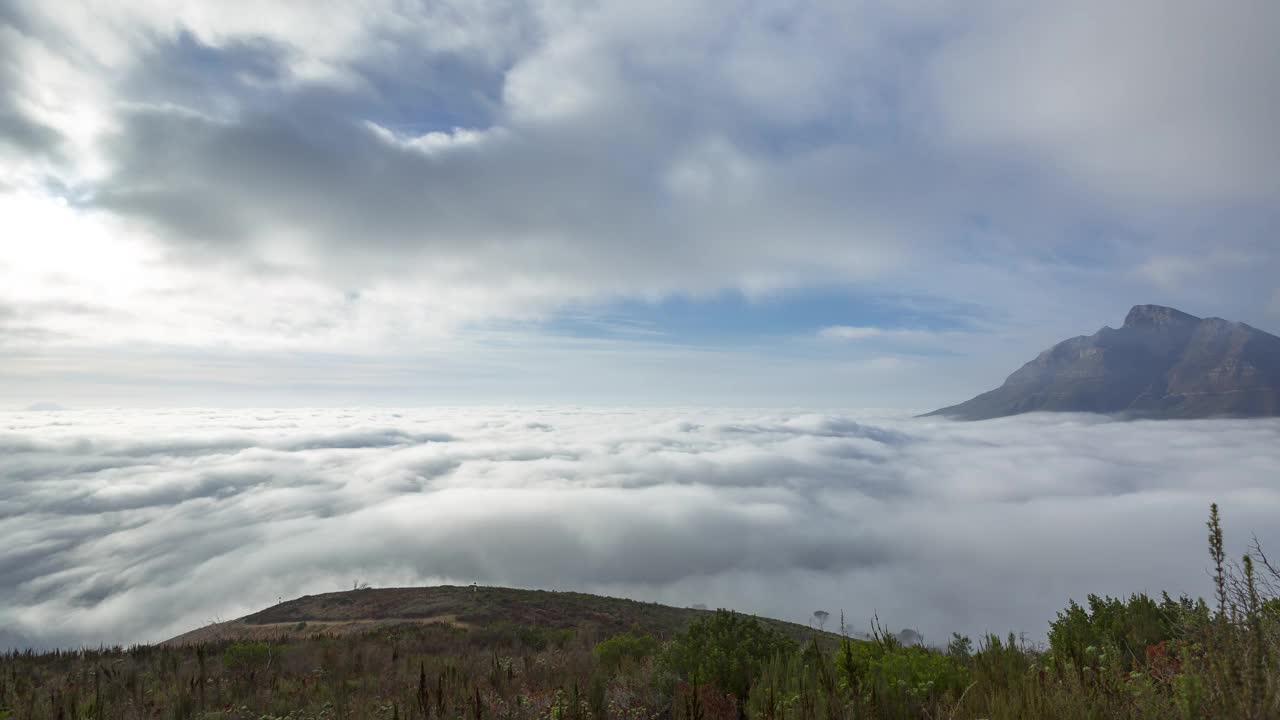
<point x="127" y="526"/>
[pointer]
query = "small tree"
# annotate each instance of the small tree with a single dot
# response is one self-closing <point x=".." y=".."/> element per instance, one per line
<point x="820" y="618"/>
<point x="632" y="647"/>
<point x="727" y="650"/>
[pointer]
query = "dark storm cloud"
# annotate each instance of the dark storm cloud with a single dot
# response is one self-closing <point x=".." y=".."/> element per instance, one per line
<point x="120" y="526"/>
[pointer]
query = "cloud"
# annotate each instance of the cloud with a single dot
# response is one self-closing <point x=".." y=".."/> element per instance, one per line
<point x="45" y="406"/>
<point x="133" y="525"/>
<point x="852" y="332"/>
<point x="1144" y="101"/>
<point x="311" y="183"/>
<point x="1168" y="271"/>
<point x="21" y="130"/>
<point x="404" y="203"/>
<point x="276" y="181"/>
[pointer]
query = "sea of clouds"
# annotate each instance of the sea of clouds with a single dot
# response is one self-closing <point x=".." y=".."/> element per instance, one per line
<point x="136" y="525"/>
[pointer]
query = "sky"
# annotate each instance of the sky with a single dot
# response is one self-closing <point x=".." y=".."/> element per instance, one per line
<point x="822" y="204"/>
<point x="636" y="298"/>
<point x="126" y="526"/>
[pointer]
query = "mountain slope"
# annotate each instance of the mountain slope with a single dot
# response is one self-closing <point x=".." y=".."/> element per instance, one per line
<point x="1161" y="363"/>
<point x="463" y="608"/>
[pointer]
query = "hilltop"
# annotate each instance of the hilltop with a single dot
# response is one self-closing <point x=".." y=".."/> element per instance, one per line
<point x="472" y="609"/>
<point x="1162" y="363"/>
<point x="488" y="653"/>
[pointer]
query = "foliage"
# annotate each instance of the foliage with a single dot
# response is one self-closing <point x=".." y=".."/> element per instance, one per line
<point x="727" y="650"/>
<point x="909" y="679"/>
<point x="1119" y="632"/>
<point x="246" y="656"/>
<point x="630" y="647"/>
<point x="1107" y="659"/>
<point x="539" y="638"/>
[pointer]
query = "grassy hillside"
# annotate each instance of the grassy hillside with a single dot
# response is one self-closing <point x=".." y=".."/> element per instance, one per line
<point x="465" y="608"/>
<point x="438" y="652"/>
<point x="491" y="653"/>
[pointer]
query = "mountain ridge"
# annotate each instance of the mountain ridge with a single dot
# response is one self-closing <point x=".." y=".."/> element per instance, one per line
<point x="1161" y="363"/>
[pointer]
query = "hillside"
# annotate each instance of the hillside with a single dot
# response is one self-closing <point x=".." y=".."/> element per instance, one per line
<point x="462" y="654"/>
<point x="1162" y="363"/>
<point x="476" y="609"/>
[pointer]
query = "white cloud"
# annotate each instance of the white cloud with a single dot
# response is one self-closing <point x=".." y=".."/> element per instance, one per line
<point x="1171" y="271"/>
<point x="129" y="525"/>
<point x="888" y="362"/>
<point x="1143" y="101"/>
<point x="854" y="332"/>
<point x="382" y="177"/>
<point x="847" y="332"/>
<point x="322" y="39"/>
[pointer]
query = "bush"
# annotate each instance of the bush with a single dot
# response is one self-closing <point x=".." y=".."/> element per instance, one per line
<point x="540" y="638"/>
<point x="629" y="647"/>
<point x="1116" y="631"/>
<point x="888" y="674"/>
<point x="246" y="656"/>
<point x="727" y="650"/>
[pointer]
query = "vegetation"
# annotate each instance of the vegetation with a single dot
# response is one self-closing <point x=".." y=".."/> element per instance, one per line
<point x="621" y="652"/>
<point x="1135" y="657"/>
<point x="492" y="610"/>
<point x="727" y="650"/>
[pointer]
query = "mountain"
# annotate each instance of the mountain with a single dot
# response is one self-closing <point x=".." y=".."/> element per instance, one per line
<point x="1161" y="363"/>
<point x="456" y="608"/>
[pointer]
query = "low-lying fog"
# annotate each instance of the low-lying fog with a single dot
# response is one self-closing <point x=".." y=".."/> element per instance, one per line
<point x="130" y="526"/>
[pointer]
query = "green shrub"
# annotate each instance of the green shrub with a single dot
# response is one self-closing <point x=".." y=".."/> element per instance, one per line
<point x="631" y="647"/>
<point x="540" y="638"/>
<point x="887" y="674"/>
<point x="246" y="656"/>
<point x="727" y="650"/>
<point x="1116" y="631"/>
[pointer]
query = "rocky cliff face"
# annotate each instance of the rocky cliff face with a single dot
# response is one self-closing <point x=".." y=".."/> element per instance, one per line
<point x="1161" y="363"/>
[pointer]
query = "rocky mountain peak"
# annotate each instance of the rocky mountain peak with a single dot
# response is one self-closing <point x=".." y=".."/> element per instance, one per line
<point x="1161" y="363"/>
<point x="1157" y="316"/>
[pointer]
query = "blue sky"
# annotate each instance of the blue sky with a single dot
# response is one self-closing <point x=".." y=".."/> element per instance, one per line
<point x="867" y="203"/>
<point x="732" y="317"/>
